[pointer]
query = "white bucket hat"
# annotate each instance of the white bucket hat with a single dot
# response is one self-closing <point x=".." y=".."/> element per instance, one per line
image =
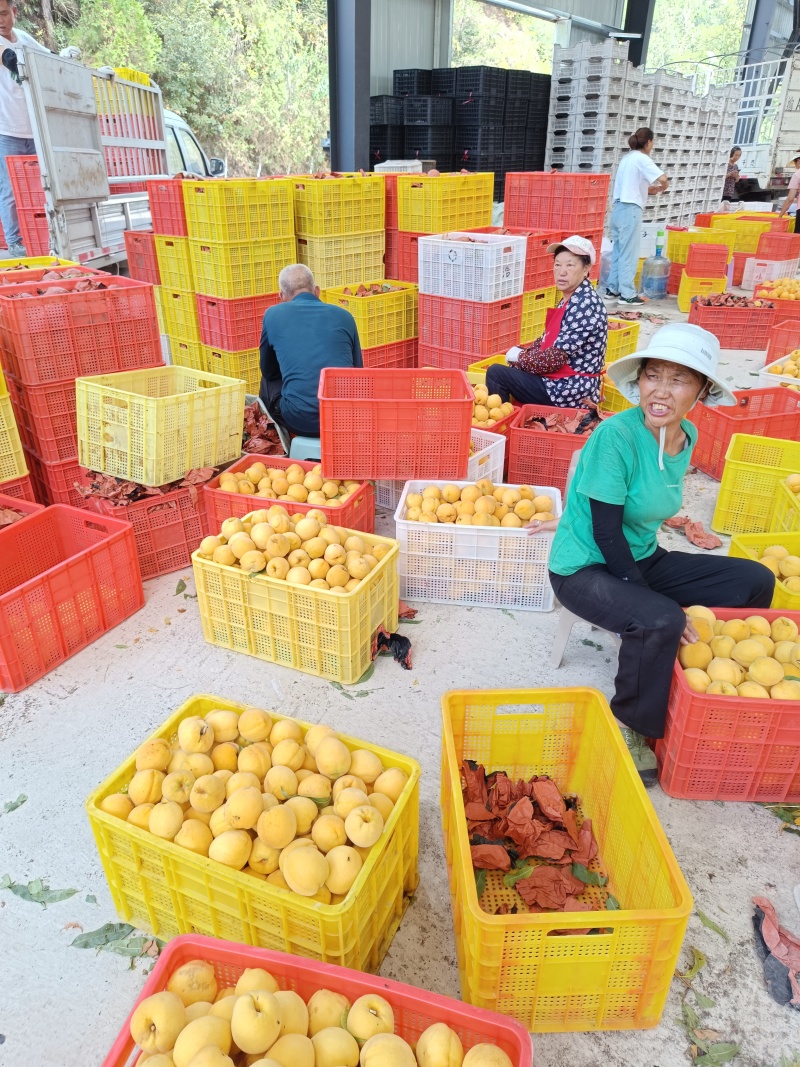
<point x="579" y="246"/>
<point x="682" y="343"/>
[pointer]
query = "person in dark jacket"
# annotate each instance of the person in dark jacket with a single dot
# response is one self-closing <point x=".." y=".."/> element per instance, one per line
<point x="299" y="338"/>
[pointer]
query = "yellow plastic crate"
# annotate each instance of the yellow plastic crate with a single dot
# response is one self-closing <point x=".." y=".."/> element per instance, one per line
<point x="382" y="318"/>
<point x="444" y="203"/>
<point x="240" y="268"/>
<point x="167" y="890"/>
<point x="480" y="368"/>
<point x="336" y="261"/>
<point x="691" y="287"/>
<point x="746" y="231"/>
<point x="678" y="241"/>
<point x="534" y="312"/>
<point x="3" y="386"/>
<point x="152" y="426"/>
<point x="617" y="979"/>
<point x="36" y="261"/>
<point x="750" y="546"/>
<point x="245" y="364"/>
<point x="785" y="511"/>
<point x="754" y="469"/>
<point x="132" y="75"/>
<point x="158" y="296"/>
<point x="189" y="354"/>
<point x="232" y="209"/>
<point x="622" y="340"/>
<point x="347" y="204"/>
<point x="12" y="458"/>
<point x="613" y="400"/>
<point x="174" y="262"/>
<point x="179" y="307"/>
<point x="313" y="630"/>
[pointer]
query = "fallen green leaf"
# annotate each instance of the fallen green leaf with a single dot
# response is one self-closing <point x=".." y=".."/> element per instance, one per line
<point x="703" y="1002"/>
<point x="691" y="1020"/>
<point x="36" y="891"/>
<point x="588" y="877"/>
<point x="120" y="646"/>
<point x="12" y="805"/>
<point x="410" y="622"/>
<point x="699" y="962"/>
<point x="180" y="587"/>
<point x="612" y="904"/>
<point x="511" y="879"/>
<point x="103" y="936"/>
<point x="718" y="1053"/>
<point x="711" y="925"/>
<point x="368" y="673"/>
<point x="505" y="611"/>
<point x="121" y="939"/>
<point x="591" y="644"/>
<point x="480" y="881"/>
<point x="190" y="596"/>
<point x="337" y="685"/>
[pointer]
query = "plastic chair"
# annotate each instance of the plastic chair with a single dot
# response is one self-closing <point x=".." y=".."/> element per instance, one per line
<point x="305" y="448"/>
<point x="566" y="620"/>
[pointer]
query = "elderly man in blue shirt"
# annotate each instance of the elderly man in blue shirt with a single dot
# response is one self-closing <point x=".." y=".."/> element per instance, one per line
<point x="300" y="337"/>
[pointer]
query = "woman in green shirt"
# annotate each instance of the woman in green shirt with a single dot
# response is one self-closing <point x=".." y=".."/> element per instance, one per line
<point x="606" y="565"/>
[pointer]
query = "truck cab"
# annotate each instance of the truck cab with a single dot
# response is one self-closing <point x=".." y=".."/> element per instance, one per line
<point x="184" y="152"/>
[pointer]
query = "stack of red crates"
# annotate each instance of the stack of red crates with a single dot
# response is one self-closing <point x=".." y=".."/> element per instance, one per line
<point x="26" y="183"/>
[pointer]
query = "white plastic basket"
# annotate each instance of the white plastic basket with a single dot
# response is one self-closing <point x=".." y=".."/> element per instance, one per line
<point x="487" y="461"/>
<point x="482" y="566"/>
<point x="761" y="270"/>
<point x="484" y="267"/>
<point x="766" y="380"/>
<point x="399" y="166"/>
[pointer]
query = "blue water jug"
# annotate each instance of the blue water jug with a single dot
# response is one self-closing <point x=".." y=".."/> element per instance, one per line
<point x="655" y="275"/>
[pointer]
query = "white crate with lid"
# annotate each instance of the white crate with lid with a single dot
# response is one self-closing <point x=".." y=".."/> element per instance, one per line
<point x="482" y="267"/>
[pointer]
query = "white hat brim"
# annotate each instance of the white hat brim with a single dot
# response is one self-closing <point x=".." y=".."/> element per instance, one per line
<point x="624" y="373"/>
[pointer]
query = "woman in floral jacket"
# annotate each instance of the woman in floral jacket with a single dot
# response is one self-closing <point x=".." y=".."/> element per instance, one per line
<point x="565" y="365"/>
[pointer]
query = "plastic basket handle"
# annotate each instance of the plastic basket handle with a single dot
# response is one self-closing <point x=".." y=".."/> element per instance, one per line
<point x="98" y="527"/>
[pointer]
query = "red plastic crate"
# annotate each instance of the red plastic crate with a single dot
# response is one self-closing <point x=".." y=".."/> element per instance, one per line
<point x="390" y="186"/>
<point x="596" y="238"/>
<point x="166" y="206"/>
<point x="34" y="231"/>
<point x="19" y="488"/>
<point x="707" y="261"/>
<point x="54" y="483"/>
<point x="398" y="354"/>
<point x="674" y="280"/>
<point x="21" y="275"/>
<point x="25" y="176"/>
<point x="46" y="419"/>
<point x="61" y="337"/>
<point x="739" y="263"/>
<point x="167" y="528"/>
<point x="128" y="187"/>
<point x="408" y="256"/>
<point x="140" y="247"/>
<point x="234" y="325"/>
<point x="784" y="309"/>
<point x="784" y="337"/>
<point x="414" y="1009"/>
<point x="730" y="748"/>
<point x="703" y="218"/>
<point x="745" y="328"/>
<point x="469" y="327"/>
<point x="391" y="256"/>
<point x="537" y="457"/>
<point x="394" y="423"/>
<point x="444" y="359"/>
<point x="555" y="201"/>
<point x="66" y="578"/>
<point x="780" y="246"/>
<point x="357" y="513"/>
<point x="27" y="507"/>
<point x="538" y="261"/>
<point x="760" y="413"/>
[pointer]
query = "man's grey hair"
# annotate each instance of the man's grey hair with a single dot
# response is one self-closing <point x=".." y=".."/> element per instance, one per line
<point x="296" y="278"/>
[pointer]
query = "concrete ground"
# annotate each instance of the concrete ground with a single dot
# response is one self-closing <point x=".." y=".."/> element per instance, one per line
<point x="61" y="1007"/>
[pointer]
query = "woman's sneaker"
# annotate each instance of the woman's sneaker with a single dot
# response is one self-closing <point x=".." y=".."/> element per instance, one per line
<point x="644" y="759"/>
<point x="610" y="295"/>
<point x="634" y="301"/>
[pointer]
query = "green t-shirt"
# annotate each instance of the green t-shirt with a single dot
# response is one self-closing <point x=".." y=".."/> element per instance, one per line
<point x="619" y="465"/>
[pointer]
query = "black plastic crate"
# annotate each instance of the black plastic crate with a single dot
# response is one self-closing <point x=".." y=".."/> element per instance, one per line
<point x="535" y="136"/>
<point x="428" y="110"/>
<point x="480" y="162"/>
<point x="533" y="160"/>
<point x="480" y="139"/>
<point x="514" y="139"/>
<point x="385" y="111"/>
<point x="516" y="111"/>
<point x="385" y="142"/>
<point x="411" y="82"/>
<point x="443" y="81"/>
<point x="518" y="83"/>
<point x="540" y="84"/>
<point x="481" y="81"/>
<point x="430" y="142"/>
<point x="480" y="111"/>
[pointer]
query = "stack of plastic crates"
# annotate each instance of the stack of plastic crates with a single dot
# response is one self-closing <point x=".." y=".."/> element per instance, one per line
<point x="339" y="222"/>
<point x="25" y="177"/>
<point x="386" y="318"/>
<point x="14" y="480"/>
<point x="706" y="271"/>
<point x="48" y="340"/>
<point x="680" y="241"/>
<point x="427" y="204"/>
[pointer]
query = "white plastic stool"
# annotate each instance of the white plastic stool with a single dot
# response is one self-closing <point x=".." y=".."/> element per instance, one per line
<point x="305" y="448"/>
<point x="566" y="620"/>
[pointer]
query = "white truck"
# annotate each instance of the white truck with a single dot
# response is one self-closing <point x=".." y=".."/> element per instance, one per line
<point x="86" y="124"/>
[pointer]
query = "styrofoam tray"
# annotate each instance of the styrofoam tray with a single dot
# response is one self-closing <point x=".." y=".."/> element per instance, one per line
<point x="487" y="267"/>
<point x="772" y="381"/>
<point x="482" y="566"/>
<point x="486" y="461"/>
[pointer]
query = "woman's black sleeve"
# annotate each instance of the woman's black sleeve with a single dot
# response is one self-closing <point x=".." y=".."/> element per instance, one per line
<point x="610" y="539"/>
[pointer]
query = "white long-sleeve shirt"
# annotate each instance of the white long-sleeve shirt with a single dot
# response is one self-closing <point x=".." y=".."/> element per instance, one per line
<point x="14" y="120"/>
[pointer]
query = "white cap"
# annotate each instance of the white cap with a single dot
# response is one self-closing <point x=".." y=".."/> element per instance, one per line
<point x="579" y="246"/>
<point x="683" y="343"/>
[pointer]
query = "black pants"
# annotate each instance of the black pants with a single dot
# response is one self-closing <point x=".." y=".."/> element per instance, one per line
<point x="650" y="620"/>
<point x="508" y="381"/>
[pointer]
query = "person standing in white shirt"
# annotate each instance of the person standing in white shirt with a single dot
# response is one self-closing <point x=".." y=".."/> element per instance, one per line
<point x="794" y="189"/>
<point x="637" y="176"/>
<point x="16" y="135"/>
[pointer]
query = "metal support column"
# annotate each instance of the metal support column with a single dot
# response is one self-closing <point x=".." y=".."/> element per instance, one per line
<point x="348" y="73"/>
<point x="639" y="19"/>
<point x="759" y="42"/>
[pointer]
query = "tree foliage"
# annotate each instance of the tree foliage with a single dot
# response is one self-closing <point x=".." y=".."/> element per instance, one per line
<point x="498" y="37"/>
<point x="695" y="30"/>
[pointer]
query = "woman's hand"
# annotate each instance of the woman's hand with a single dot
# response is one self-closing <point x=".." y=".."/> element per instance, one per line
<point x="537" y="526"/>
<point x="689" y="635"/>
